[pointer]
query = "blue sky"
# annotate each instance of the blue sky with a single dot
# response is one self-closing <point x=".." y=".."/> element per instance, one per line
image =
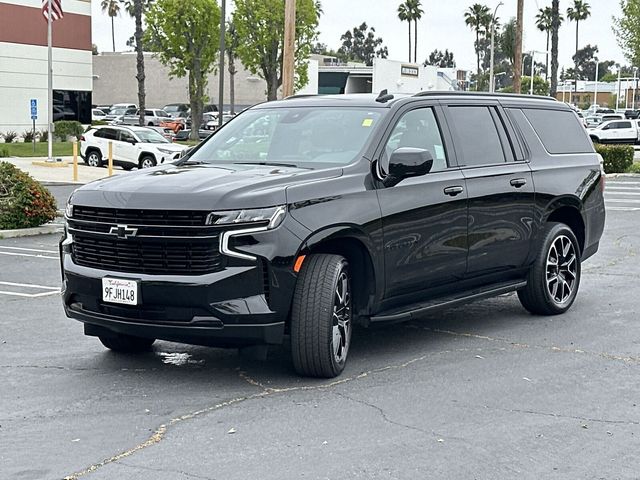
<point x="442" y="27"/>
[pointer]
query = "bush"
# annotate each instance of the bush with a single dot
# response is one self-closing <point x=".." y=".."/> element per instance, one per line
<point x="10" y="136"/>
<point x="617" y="158"/>
<point x="4" y="152"/>
<point x="24" y="203"/>
<point x="28" y="135"/>
<point x="43" y="135"/>
<point x="635" y="168"/>
<point x="67" y="128"/>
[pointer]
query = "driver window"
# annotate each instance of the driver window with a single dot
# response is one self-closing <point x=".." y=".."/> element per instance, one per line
<point x="419" y="129"/>
<point x="126" y="137"/>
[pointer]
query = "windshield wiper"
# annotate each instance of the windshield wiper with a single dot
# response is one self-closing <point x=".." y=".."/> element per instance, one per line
<point x="276" y="164"/>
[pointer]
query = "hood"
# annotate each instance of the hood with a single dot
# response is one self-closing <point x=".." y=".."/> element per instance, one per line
<point x="174" y="147"/>
<point x="198" y="187"/>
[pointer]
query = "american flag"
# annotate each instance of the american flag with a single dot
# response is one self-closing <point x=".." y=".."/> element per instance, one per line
<point x="56" y="9"/>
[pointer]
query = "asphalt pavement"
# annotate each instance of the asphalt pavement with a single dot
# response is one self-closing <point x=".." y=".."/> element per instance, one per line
<point x="484" y="391"/>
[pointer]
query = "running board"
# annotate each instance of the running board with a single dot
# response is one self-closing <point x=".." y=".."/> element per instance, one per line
<point x="407" y="313"/>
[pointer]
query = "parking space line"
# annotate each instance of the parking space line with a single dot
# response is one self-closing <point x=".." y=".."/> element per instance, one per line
<point x="617" y="200"/>
<point x="611" y="192"/>
<point x="49" y="290"/>
<point x="28" y="285"/>
<point x="30" y="295"/>
<point x="624" y="209"/>
<point x="4" y="247"/>
<point x="15" y="254"/>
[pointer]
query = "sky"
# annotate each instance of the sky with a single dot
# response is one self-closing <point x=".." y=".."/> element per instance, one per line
<point x="442" y="27"/>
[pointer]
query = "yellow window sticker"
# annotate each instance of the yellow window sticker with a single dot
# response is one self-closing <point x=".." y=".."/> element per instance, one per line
<point x="367" y="122"/>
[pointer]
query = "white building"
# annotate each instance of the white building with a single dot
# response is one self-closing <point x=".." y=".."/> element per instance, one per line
<point x="23" y="63"/>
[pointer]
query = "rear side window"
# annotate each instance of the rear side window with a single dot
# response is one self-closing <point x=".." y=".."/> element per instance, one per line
<point x="559" y="130"/>
<point x="477" y="129"/>
<point x="108" y="133"/>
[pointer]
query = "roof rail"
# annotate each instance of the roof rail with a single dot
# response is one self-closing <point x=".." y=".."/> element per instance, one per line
<point x="301" y="95"/>
<point x="482" y="94"/>
<point x="384" y="96"/>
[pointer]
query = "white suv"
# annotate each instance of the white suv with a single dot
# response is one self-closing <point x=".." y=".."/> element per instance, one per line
<point x="132" y="147"/>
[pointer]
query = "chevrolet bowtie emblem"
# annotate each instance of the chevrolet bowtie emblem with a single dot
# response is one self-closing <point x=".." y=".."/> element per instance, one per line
<point x="123" y="231"/>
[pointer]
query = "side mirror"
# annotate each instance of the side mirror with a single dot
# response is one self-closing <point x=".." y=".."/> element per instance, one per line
<point x="407" y="162"/>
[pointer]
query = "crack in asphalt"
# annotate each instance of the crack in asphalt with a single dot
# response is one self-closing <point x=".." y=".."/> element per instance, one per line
<point x="553" y="348"/>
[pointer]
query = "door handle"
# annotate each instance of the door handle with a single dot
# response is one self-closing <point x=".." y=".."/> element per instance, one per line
<point x="518" y="182"/>
<point x="453" y="191"/>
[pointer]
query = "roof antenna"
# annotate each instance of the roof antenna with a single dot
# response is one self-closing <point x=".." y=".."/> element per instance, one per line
<point x="384" y="96"/>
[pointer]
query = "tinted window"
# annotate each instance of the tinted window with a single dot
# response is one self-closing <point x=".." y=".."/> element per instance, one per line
<point x="419" y="129"/>
<point x="559" y="130"/>
<point x="623" y="124"/>
<point x="148" y="113"/>
<point x="108" y="133"/>
<point x="480" y="143"/>
<point x="126" y="136"/>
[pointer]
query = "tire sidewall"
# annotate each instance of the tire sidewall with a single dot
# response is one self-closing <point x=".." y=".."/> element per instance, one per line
<point x="149" y="158"/>
<point x="98" y="159"/>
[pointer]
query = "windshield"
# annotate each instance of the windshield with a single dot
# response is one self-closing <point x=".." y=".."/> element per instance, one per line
<point x="119" y="111"/>
<point x="150" y="136"/>
<point x="303" y="137"/>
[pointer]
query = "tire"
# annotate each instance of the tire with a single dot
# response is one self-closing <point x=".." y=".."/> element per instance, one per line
<point x="126" y="343"/>
<point x="147" y="162"/>
<point x="127" y="167"/>
<point x="321" y="317"/>
<point x="552" y="288"/>
<point x="94" y="158"/>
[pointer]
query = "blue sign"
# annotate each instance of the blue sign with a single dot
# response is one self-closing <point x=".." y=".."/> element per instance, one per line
<point x="34" y="109"/>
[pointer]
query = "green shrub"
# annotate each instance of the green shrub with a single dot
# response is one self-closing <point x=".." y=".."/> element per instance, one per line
<point x="24" y="203"/>
<point x="10" y="136"/>
<point x="617" y="158"/>
<point x="28" y="135"/>
<point x="67" y="128"/>
<point x="634" y="168"/>
<point x="43" y="135"/>
<point x="4" y="152"/>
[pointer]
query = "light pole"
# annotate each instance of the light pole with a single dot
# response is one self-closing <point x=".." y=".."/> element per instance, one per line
<point x="493" y="34"/>
<point x="221" y="72"/>
<point x="618" y="97"/>
<point x="635" y="85"/>
<point x="595" y="95"/>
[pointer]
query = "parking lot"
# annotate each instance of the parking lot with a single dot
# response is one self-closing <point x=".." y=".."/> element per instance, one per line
<point x="482" y="391"/>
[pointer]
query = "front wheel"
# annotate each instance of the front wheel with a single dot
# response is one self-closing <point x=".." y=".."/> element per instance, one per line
<point x="554" y="278"/>
<point x="147" y="162"/>
<point x="119" y="342"/>
<point x="321" y="319"/>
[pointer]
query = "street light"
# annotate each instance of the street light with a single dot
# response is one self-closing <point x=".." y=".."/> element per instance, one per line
<point x="635" y="85"/>
<point x="595" y="95"/>
<point x="493" y="34"/>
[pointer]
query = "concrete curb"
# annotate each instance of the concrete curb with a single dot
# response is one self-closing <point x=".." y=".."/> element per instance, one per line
<point x="47" y="229"/>
<point x="623" y="175"/>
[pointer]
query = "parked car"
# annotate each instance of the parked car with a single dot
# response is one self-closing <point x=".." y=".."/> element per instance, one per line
<point x="97" y="115"/>
<point x="592" y="121"/>
<point x="304" y="216"/>
<point x="140" y="147"/>
<point x="213" y="124"/>
<point x="175" y="124"/>
<point x="616" y="131"/>
<point x="104" y="108"/>
<point x="632" y="114"/>
<point x="119" y="111"/>
<point x="183" y="135"/>
<point x="153" y="117"/>
<point x="176" y="110"/>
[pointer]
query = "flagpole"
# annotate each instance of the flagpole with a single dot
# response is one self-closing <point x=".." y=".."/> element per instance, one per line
<point x="49" y="87"/>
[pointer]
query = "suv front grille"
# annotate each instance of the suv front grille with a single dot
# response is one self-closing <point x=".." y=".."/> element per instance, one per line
<point x="165" y="242"/>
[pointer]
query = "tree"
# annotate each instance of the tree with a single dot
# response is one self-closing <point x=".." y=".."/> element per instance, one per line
<point x="585" y="60"/>
<point x="183" y="30"/>
<point x="517" y="66"/>
<point x="507" y="41"/>
<point x="320" y="49"/>
<point x="556" y="20"/>
<point x="627" y="30"/>
<point x="260" y="25"/>
<point x="477" y="17"/>
<point x="544" y="22"/>
<point x="404" y="14"/>
<point x="540" y="86"/>
<point x="578" y="12"/>
<point x="440" y="59"/>
<point x="416" y="14"/>
<point x="361" y="45"/>
<point x="112" y="8"/>
<point x="232" y="42"/>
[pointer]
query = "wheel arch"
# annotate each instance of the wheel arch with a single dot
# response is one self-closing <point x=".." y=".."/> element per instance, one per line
<point x="356" y="247"/>
<point x="146" y="154"/>
<point x="571" y="216"/>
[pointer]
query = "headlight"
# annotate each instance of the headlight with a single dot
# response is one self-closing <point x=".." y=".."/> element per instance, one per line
<point x="68" y="212"/>
<point x="270" y="217"/>
<point x="165" y="151"/>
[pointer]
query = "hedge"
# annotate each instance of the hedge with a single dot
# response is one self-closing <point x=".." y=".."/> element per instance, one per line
<point x="617" y="158"/>
<point x="24" y="203"/>
<point x="67" y="128"/>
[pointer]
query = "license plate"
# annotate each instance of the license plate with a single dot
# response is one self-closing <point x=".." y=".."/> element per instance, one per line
<point x="117" y="290"/>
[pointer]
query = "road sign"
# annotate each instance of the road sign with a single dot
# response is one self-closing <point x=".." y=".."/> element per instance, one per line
<point x="34" y="109"/>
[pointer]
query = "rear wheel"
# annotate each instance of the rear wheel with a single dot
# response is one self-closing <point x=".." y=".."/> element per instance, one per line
<point x="321" y="319"/>
<point x="127" y="167"/>
<point x="94" y="158"/>
<point x="119" y="342"/>
<point x="554" y="278"/>
<point x="147" y="162"/>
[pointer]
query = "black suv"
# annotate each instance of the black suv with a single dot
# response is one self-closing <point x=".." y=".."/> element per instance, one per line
<point x="301" y="217"/>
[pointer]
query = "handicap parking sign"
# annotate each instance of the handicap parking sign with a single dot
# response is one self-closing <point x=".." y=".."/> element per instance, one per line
<point x="34" y="109"/>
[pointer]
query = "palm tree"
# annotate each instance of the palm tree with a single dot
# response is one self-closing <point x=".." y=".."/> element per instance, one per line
<point x="136" y="8"/>
<point x="517" y="66"/>
<point x="544" y="22"/>
<point x="416" y="14"/>
<point x="404" y="14"/>
<point x="477" y="17"/>
<point x="578" y="12"/>
<point x="556" y="20"/>
<point x="112" y="8"/>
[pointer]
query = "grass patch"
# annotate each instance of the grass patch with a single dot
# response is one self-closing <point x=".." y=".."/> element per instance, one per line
<point x="60" y="149"/>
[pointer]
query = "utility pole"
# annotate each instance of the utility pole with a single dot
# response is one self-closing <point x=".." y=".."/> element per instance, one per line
<point x="517" y="68"/>
<point x="493" y="34"/>
<point x="288" y="70"/>
<point x="223" y="24"/>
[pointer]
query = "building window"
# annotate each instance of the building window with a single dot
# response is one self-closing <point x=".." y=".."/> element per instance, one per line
<point x="72" y="105"/>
